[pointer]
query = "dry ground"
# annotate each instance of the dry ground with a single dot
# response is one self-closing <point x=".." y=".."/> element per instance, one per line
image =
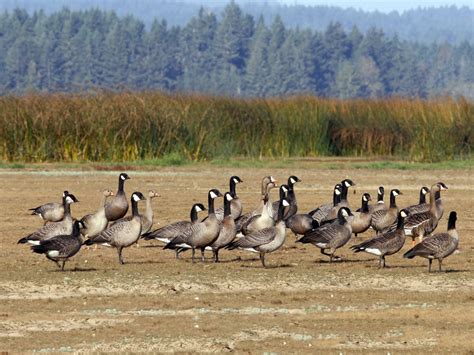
<point x="301" y="304"/>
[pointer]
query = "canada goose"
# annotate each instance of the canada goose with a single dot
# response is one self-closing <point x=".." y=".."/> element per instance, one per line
<point x="333" y="214"/>
<point x="235" y="204"/>
<point x="170" y="231"/>
<point x="383" y="219"/>
<point x="61" y="247"/>
<point x="96" y="223"/>
<point x="264" y="220"/>
<point x="265" y="240"/>
<point x="387" y="243"/>
<point x="362" y="217"/>
<point x="268" y="183"/>
<point x="200" y="235"/>
<point x="147" y="217"/>
<point x="322" y="211"/>
<point x="380" y="205"/>
<point x="50" y="212"/>
<point x="290" y="197"/>
<point x="301" y="223"/>
<point x="227" y="231"/>
<point x="333" y="235"/>
<point x="438" y="246"/>
<point x="424" y="223"/>
<point x="117" y="207"/>
<point x="422" y="206"/>
<point x="123" y="232"/>
<point x="63" y="227"/>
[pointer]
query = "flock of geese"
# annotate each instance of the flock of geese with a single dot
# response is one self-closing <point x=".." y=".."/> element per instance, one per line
<point x="261" y="230"/>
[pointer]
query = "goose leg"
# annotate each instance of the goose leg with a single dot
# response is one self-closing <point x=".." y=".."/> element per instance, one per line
<point x="383" y="261"/>
<point x="119" y="250"/>
<point x="203" y="259"/>
<point x="216" y="255"/>
<point x="429" y="265"/>
<point x="62" y="266"/>
<point x="177" y="253"/>
<point x="439" y="262"/>
<point x="324" y="253"/>
<point x="194" y="251"/>
<point x="380" y="262"/>
<point x="262" y="259"/>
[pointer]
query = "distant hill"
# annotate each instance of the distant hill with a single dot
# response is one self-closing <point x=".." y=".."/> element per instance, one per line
<point x="426" y="25"/>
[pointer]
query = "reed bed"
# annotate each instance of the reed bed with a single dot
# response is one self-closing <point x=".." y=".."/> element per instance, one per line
<point x="134" y="126"/>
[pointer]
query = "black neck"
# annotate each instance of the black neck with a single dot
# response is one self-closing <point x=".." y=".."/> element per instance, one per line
<point x="344" y="192"/>
<point x="291" y="195"/>
<point x="452" y="221"/>
<point x="335" y="198"/>
<point x="340" y="218"/>
<point x="281" y="211"/>
<point x="365" y="205"/>
<point x="120" y="184"/>
<point x="422" y="197"/>
<point x="75" y="229"/>
<point x="193" y="215"/>
<point x="226" y="207"/>
<point x="392" y="200"/>
<point x="210" y="202"/>
<point x="232" y="188"/>
<point x="400" y="221"/>
<point x="282" y="193"/>
<point x="134" y="207"/>
<point x="67" y="207"/>
<point x="380" y="196"/>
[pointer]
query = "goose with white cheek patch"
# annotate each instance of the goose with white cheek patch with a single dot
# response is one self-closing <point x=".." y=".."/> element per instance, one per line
<point x="96" y="223"/>
<point x="235" y="204"/>
<point x="437" y="246"/>
<point x="380" y="205"/>
<point x="387" y="243"/>
<point x="50" y="212"/>
<point x="322" y="211"/>
<point x="50" y="230"/>
<point x="333" y="235"/>
<point x="422" y="206"/>
<point x="266" y="240"/>
<point x="117" y="207"/>
<point x="382" y="220"/>
<point x="227" y="232"/>
<point x="332" y="215"/>
<point x="290" y="197"/>
<point x="362" y="217"/>
<point x="61" y="247"/>
<point x="199" y="235"/>
<point x="122" y="233"/>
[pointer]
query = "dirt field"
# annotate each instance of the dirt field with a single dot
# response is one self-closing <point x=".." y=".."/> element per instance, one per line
<point x="300" y="304"/>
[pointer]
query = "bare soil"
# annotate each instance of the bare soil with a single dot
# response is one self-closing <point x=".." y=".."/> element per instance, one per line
<point x="300" y="304"/>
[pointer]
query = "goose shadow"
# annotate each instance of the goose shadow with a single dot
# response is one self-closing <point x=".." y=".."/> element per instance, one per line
<point x="283" y="266"/>
<point x="75" y="269"/>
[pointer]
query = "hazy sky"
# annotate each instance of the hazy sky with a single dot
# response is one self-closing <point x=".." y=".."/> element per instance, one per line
<point x="383" y="5"/>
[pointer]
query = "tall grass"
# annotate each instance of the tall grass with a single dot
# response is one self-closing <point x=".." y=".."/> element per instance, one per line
<point x="128" y="127"/>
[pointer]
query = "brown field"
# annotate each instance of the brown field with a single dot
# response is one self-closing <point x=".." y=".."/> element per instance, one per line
<point x="300" y="304"/>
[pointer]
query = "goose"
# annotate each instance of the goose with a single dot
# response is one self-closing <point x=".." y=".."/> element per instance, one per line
<point x="290" y="197"/>
<point x="301" y="223"/>
<point x="268" y="182"/>
<point x="362" y="217"/>
<point x="437" y="246"/>
<point x="147" y="217"/>
<point x="264" y="220"/>
<point x="61" y="247"/>
<point x="322" y="211"/>
<point x="124" y="232"/>
<point x="227" y="232"/>
<point x="383" y="219"/>
<point x="117" y="207"/>
<point x="50" y="212"/>
<point x="96" y="223"/>
<point x="199" y="235"/>
<point x="380" y="205"/>
<point x="387" y="243"/>
<point x="265" y="240"/>
<point x="170" y="231"/>
<point x="422" y="206"/>
<point x="235" y="204"/>
<point x="63" y="227"/>
<point x="333" y="214"/>
<point x="424" y="223"/>
<point x="333" y="235"/>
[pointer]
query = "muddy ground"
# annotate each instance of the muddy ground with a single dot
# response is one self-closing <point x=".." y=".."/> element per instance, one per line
<point x="300" y="304"/>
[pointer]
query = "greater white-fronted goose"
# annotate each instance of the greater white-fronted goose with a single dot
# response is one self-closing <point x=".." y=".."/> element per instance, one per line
<point x="61" y="247"/>
<point x="147" y="217"/>
<point x="167" y="233"/>
<point x="422" y="206"/>
<point x="96" y="223"/>
<point x="363" y="216"/>
<point x="227" y="232"/>
<point x="235" y="204"/>
<point x="124" y="232"/>
<point x="437" y="246"/>
<point x="117" y="207"/>
<point x="387" y="243"/>
<point x="322" y="211"/>
<point x="332" y="215"/>
<point x="333" y="235"/>
<point x="50" y="212"/>
<point x="383" y="219"/>
<point x="266" y="240"/>
<point x="264" y="220"/>
<point x="50" y="230"/>
<point x="290" y="197"/>
<point x="199" y="235"/>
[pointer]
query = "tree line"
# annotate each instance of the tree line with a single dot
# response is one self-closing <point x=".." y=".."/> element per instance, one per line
<point x="235" y="54"/>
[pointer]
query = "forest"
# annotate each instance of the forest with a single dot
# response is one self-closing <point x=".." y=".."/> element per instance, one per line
<point x="233" y="54"/>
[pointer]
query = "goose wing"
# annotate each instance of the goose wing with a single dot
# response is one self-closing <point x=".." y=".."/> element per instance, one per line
<point x="319" y="213"/>
<point x="323" y="234"/>
<point x="254" y="239"/>
<point x="379" y="242"/>
<point x="46" y="232"/>
<point x="169" y="231"/>
<point x="417" y="219"/>
<point x="431" y="246"/>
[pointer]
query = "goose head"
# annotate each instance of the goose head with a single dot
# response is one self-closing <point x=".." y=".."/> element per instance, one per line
<point x="138" y="196"/>
<point x="228" y="197"/>
<point x="214" y="193"/>
<point x="70" y="198"/>
<point x="381" y="190"/>
<point x="152" y="194"/>
<point x="345" y="214"/>
<point x="199" y="207"/>
<point x="293" y="180"/>
<point x="403" y="213"/>
<point x="338" y="189"/>
<point x="347" y="183"/>
<point x="425" y="190"/>
<point x="107" y="192"/>
<point x="65" y="193"/>
<point x="366" y="197"/>
<point x="442" y="186"/>
<point x="283" y="190"/>
<point x="236" y="180"/>
<point x="124" y="176"/>
<point x="395" y="192"/>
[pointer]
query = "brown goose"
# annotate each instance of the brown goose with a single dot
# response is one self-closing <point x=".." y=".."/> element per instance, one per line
<point x="387" y="243"/>
<point x="122" y="233"/>
<point x="333" y="235"/>
<point x="438" y="246"/>
<point x="424" y="223"/>
<point x="383" y="219"/>
<point x="227" y="232"/>
<point x="422" y="206"/>
<point x="235" y="204"/>
<point x="50" y="212"/>
<point x="61" y="247"/>
<point x="290" y="197"/>
<point x="332" y="215"/>
<point x="199" y="235"/>
<point x="147" y="217"/>
<point x="363" y="217"/>
<point x="380" y="205"/>
<point x="265" y="240"/>
<point x="50" y="230"/>
<point x="321" y="212"/>
<point x="97" y="222"/>
<point x="117" y="207"/>
<point x="264" y="220"/>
